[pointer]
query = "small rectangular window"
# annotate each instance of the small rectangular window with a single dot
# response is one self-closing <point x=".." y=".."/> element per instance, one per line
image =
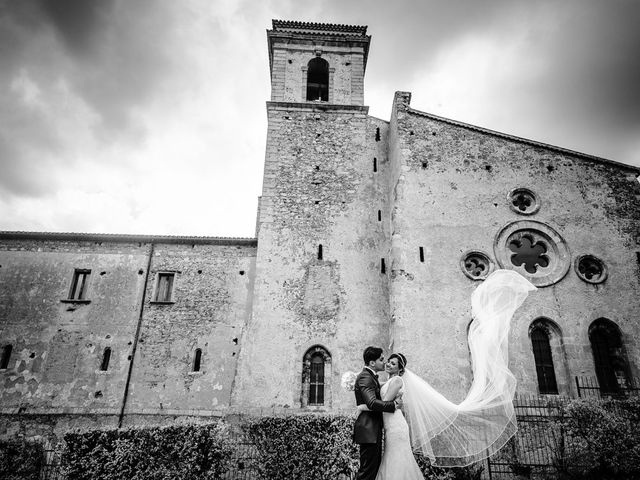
<point x="422" y="254"/>
<point x="79" y="284"/>
<point x="6" y="356"/>
<point x="164" y="287"/>
<point x="383" y="267"/>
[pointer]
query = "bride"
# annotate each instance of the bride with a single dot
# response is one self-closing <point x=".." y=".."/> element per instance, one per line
<point x="446" y="433"/>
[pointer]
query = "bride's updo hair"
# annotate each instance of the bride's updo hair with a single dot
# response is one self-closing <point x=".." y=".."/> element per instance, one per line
<point x="402" y="362"/>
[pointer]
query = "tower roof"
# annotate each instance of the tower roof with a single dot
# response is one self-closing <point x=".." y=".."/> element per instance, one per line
<point x="318" y="28"/>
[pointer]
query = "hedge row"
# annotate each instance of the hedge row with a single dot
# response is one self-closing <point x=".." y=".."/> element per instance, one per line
<point x="301" y="447"/>
<point x="20" y="460"/>
<point x="195" y="452"/>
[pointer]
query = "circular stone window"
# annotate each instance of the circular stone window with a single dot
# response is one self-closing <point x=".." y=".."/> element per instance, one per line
<point x="476" y="265"/>
<point x="523" y="201"/>
<point x="534" y="250"/>
<point x="590" y="269"/>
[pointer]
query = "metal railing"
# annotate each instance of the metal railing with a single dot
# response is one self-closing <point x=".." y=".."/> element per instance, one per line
<point x="590" y="387"/>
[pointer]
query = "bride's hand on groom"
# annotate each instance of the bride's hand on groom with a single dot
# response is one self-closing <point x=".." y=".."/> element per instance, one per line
<point x="361" y="408"/>
<point x="398" y="401"/>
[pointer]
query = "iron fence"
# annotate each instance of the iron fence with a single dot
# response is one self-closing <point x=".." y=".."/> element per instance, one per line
<point x="590" y="387"/>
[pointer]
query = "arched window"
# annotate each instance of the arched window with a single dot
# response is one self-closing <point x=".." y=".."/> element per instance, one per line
<point x="106" y="356"/>
<point x="318" y="79"/>
<point x="544" y="360"/>
<point x="316" y="366"/>
<point x="608" y="356"/>
<point x="316" y="382"/>
<point x="197" y="357"/>
<point x="6" y="356"/>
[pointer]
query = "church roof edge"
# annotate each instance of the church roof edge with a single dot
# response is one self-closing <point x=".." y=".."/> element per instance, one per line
<point x="126" y="238"/>
<point x="527" y="141"/>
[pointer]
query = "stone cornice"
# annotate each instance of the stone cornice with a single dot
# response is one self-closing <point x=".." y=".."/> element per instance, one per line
<point x="127" y="238"/>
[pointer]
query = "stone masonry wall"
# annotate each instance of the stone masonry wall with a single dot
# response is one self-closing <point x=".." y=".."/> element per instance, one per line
<point x="319" y="188"/>
<point x="451" y="197"/>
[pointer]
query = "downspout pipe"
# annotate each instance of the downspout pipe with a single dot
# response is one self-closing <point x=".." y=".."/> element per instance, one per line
<point x="137" y="335"/>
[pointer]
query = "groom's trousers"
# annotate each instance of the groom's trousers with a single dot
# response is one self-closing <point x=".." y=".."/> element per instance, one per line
<point x="370" y="457"/>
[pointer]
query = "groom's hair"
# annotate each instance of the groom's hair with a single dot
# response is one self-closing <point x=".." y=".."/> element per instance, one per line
<point x="371" y="354"/>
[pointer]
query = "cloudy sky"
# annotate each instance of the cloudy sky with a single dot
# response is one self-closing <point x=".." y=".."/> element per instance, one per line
<point x="148" y="116"/>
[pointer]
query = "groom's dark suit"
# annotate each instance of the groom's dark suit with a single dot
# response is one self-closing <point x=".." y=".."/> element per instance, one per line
<point x="367" y="430"/>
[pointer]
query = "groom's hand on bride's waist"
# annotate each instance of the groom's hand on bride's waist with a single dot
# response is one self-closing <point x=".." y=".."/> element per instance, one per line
<point x="398" y="402"/>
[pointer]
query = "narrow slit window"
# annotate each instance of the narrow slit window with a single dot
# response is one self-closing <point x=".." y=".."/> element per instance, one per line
<point x="79" y="284"/>
<point x="377" y="134"/>
<point x="164" y="287"/>
<point x="379" y="215"/>
<point x="383" y="267"/>
<point x="375" y="164"/>
<point x="320" y="252"/>
<point x="422" y="254"/>
<point x="106" y="356"/>
<point x="6" y="356"/>
<point x="197" y="358"/>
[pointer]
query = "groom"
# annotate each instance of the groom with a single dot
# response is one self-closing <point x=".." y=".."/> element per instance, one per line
<point x="367" y="430"/>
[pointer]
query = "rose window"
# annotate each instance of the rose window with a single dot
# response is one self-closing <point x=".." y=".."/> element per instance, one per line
<point x="529" y="252"/>
<point x="476" y="265"/>
<point x="591" y="269"/>
<point x="533" y="249"/>
<point x="523" y="201"/>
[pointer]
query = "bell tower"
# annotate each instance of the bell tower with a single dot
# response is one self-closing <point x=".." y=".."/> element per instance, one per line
<point x="321" y="239"/>
<point x="317" y="62"/>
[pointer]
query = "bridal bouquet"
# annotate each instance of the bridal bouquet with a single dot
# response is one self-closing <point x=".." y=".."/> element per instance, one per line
<point x="349" y="381"/>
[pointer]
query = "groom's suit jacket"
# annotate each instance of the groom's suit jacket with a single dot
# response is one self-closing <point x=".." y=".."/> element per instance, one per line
<point x="368" y="425"/>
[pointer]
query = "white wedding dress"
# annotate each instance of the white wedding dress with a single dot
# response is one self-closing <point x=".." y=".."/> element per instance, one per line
<point x="398" y="462"/>
<point x="452" y="434"/>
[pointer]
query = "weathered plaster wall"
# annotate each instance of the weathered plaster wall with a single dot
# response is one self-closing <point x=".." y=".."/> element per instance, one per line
<point x="54" y="382"/>
<point x="211" y="303"/>
<point x="319" y="188"/>
<point x="451" y="196"/>
<point x="58" y="346"/>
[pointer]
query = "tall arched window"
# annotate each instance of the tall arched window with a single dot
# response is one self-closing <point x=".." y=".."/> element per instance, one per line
<point x="318" y="79"/>
<point x="544" y="360"/>
<point x="608" y="356"/>
<point x="315" y="371"/>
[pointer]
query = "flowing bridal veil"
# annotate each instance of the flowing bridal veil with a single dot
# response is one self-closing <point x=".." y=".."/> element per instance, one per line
<point x="458" y="435"/>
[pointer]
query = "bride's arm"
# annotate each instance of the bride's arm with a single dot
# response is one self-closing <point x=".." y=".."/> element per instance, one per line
<point x="393" y="392"/>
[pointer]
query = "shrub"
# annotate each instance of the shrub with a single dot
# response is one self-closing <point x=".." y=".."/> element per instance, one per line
<point x="20" y="460"/>
<point x="602" y="440"/>
<point x="471" y="472"/>
<point x="306" y="447"/>
<point x="196" y="452"/>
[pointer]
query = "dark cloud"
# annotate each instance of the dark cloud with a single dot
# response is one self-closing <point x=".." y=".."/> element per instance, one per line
<point x="108" y="58"/>
<point x="81" y="23"/>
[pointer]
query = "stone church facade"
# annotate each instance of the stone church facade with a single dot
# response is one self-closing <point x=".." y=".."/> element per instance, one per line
<point x="368" y="232"/>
